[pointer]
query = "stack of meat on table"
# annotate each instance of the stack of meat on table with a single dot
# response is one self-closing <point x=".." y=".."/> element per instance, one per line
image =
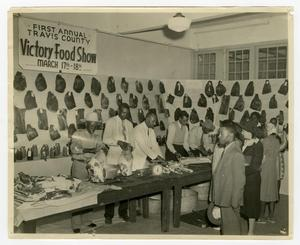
<point x="38" y="188"/>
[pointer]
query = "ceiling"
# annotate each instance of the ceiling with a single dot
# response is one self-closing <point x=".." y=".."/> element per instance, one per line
<point x="121" y="22"/>
<point x="115" y="22"/>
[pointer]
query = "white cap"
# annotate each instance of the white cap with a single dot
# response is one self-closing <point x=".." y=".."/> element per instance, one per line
<point x="92" y="117"/>
<point x="271" y="128"/>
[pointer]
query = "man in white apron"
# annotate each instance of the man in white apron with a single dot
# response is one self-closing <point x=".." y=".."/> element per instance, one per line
<point x="118" y="129"/>
<point x="178" y="138"/>
<point x="145" y="144"/>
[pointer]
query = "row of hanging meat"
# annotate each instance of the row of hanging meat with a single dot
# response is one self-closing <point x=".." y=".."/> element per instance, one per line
<point x="79" y="84"/>
<point x="60" y="84"/>
<point x="22" y="128"/>
<point x="52" y="104"/>
<point x="235" y="91"/>
<point x="20" y="84"/>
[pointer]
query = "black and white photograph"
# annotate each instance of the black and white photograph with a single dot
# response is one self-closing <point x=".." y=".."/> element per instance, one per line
<point x="141" y="122"/>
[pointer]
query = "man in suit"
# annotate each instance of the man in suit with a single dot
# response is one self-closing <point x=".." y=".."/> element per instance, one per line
<point x="229" y="180"/>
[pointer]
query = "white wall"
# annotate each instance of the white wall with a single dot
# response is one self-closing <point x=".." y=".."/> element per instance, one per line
<point x="132" y="58"/>
<point x="246" y="31"/>
<point x="51" y="167"/>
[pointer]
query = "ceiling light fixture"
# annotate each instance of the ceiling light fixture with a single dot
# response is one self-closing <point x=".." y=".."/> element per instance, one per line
<point x="179" y="23"/>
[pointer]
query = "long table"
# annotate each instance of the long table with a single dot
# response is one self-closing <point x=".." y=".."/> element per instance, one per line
<point x="141" y="187"/>
<point x="201" y="174"/>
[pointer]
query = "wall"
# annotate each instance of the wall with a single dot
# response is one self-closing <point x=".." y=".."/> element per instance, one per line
<point x="251" y="30"/>
<point x="132" y="58"/>
<point x="51" y="167"/>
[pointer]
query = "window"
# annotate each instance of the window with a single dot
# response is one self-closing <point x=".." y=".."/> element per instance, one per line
<point x="272" y="62"/>
<point x="238" y="68"/>
<point x="207" y="66"/>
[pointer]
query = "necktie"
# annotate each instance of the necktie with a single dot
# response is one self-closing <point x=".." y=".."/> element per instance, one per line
<point x="148" y="139"/>
<point x="202" y="141"/>
<point x="124" y="130"/>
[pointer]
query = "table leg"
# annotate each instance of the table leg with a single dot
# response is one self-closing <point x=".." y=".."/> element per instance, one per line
<point x="177" y="205"/>
<point x="29" y="226"/>
<point x="145" y="205"/>
<point x="165" y="210"/>
<point x="132" y="210"/>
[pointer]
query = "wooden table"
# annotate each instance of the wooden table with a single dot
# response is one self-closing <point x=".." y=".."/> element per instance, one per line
<point x="201" y="174"/>
<point x="141" y="187"/>
<point x="133" y="188"/>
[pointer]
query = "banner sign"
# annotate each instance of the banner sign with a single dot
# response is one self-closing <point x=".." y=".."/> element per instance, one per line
<point x="55" y="47"/>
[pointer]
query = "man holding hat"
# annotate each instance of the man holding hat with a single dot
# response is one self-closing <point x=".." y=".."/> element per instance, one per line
<point x="229" y="179"/>
<point x="85" y="143"/>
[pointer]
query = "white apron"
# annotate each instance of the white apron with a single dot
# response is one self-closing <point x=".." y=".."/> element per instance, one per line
<point x="139" y="160"/>
<point x="113" y="155"/>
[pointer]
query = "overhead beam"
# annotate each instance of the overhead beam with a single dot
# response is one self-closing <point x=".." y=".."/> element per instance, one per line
<point x="160" y="27"/>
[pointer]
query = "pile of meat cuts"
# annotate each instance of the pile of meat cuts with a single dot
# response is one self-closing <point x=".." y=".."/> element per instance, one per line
<point x="38" y="188"/>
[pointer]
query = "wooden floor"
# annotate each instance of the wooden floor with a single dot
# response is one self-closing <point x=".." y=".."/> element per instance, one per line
<point x="152" y="225"/>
